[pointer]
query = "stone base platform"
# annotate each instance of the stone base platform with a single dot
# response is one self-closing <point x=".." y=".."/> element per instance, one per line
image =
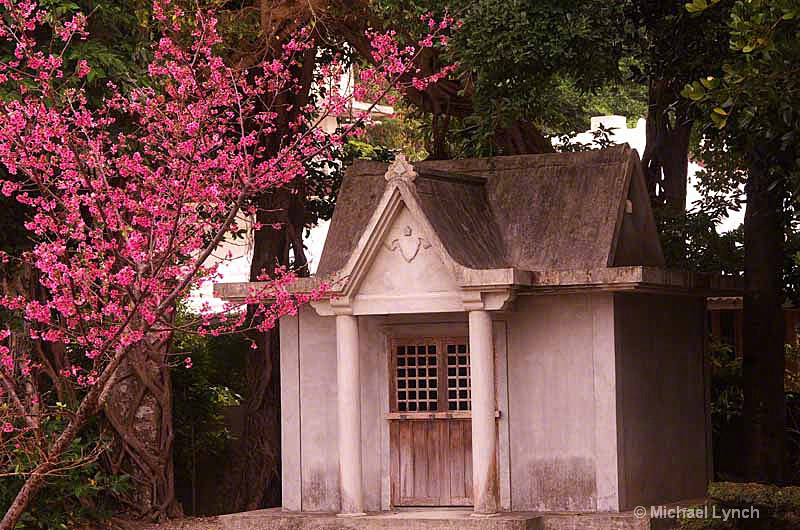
<point x="431" y="519"/>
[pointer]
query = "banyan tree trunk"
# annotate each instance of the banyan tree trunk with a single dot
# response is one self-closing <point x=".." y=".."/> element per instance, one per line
<point x="254" y="478"/>
<point x="139" y="413"/>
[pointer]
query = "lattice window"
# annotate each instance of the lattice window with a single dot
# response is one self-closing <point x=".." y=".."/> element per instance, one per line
<point x="430" y="375"/>
<point x="459" y="387"/>
<point x="416" y="376"/>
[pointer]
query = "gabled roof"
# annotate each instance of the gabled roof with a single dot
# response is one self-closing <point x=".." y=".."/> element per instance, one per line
<point x="562" y="211"/>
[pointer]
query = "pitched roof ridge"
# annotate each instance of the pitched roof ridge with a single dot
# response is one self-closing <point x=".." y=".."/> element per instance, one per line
<point x="556" y="159"/>
<point x="451" y="176"/>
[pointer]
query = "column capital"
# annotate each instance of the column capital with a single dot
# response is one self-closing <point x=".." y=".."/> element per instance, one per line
<point x="496" y="299"/>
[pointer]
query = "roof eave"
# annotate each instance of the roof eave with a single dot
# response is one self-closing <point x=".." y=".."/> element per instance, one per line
<point x="643" y="279"/>
<point x="653" y="280"/>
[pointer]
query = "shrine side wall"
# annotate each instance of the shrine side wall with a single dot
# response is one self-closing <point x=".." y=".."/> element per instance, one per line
<point x="562" y="413"/>
<point x="309" y="436"/>
<point x="664" y="446"/>
<point x="310" y="472"/>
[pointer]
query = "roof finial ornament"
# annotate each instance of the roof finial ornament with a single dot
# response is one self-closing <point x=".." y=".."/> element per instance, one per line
<point x="401" y="169"/>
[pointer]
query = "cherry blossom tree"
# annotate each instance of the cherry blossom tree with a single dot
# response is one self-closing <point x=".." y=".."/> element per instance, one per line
<point x="127" y="202"/>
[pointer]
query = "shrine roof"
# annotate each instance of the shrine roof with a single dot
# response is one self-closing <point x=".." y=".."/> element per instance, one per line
<point x="558" y="211"/>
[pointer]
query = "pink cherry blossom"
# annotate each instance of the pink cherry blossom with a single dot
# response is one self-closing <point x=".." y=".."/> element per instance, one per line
<point x="127" y="200"/>
<point x="83" y="69"/>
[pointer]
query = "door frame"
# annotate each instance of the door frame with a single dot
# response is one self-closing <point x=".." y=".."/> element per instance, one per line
<point x="424" y="428"/>
<point x="446" y="325"/>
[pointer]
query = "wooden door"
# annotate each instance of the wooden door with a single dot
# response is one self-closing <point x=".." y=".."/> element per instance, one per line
<point x="430" y="430"/>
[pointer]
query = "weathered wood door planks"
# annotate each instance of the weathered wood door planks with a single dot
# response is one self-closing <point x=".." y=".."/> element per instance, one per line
<point x="430" y="428"/>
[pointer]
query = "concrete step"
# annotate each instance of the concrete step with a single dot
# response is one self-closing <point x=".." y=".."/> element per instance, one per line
<point x="430" y="519"/>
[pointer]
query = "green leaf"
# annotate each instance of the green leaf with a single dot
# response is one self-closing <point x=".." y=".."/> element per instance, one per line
<point x="696" y="6"/>
<point x="719" y="121"/>
<point x="694" y="91"/>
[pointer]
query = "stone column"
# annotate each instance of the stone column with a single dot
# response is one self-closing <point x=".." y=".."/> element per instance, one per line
<point x="484" y="424"/>
<point x="348" y="377"/>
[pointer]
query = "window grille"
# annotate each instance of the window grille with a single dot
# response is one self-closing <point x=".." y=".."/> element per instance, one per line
<point x="459" y="388"/>
<point x="423" y="368"/>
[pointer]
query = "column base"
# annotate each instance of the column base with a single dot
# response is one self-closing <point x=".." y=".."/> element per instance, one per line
<point x="356" y="514"/>
<point x="477" y="515"/>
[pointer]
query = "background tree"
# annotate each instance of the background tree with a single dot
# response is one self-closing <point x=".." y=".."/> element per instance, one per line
<point x="669" y="47"/>
<point x="753" y="105"/>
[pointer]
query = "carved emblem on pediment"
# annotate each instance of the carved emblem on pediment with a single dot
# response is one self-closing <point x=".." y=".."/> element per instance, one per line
<point x="408" y="244"/>
<point x="401" y="169"/>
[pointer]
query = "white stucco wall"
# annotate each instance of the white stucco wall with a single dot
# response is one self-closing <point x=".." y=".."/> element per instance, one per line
<point x="310" y="473"/>
<point x="562" y="418"/>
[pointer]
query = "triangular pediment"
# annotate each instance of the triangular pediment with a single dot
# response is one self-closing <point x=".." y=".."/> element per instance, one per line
<point x="406" y="262"/>
<point x="635" y="239"/>
<point x="399" y="263"/>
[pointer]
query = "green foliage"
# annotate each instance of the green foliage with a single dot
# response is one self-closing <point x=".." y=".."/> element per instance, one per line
<point x="727" y="397"/>
<point x="358" y="150"/>
<point x="602" y="138"/>
<point x="751" y="116"/>
<point x="778" y="508"/>
<point x="201" y="394"/>
<point x="767" y="496"/>
<point x="534" y="49"/>
<point x="553" y="63"/>
<point x="666" y="42"/>
<point x="81" y="490"/>
<point x="404" y="132"/>
<point x="117" y="49"/>
<point x="572" y="108"/>
<point x="690" y="241"/>
<point x="727" y="400"/>
<point x="755" y="99"/>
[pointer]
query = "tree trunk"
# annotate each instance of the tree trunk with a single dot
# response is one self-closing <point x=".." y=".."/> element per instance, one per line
<point x="764" y="357"/>
<point x="257" y="467"/>
<point x="665" y="163"/>
<point x="666" y="155"/>
<point x="254" y="478"/>
<point x="139" y="411"/>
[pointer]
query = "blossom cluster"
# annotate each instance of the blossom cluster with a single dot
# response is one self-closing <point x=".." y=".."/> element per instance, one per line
<point x="126" y="202"/>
